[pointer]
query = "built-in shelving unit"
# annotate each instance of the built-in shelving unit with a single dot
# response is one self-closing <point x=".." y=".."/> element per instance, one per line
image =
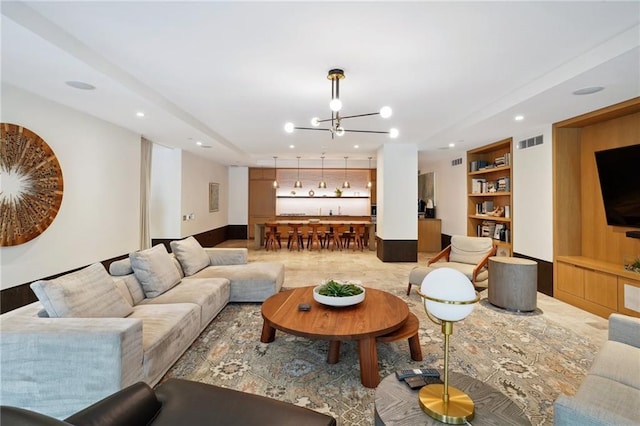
<point x="589" y="254"/>
<point x="489" y="186"/>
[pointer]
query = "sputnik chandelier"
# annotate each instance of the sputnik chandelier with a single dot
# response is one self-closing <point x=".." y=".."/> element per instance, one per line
<point x="337" y="129"/>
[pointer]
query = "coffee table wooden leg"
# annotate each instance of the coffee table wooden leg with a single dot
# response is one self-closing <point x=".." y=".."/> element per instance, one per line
<point x="369" y="374"/>
<point x="334" y="352"/>
<point x="268" y="333"/>
<point x="414" y="348"/>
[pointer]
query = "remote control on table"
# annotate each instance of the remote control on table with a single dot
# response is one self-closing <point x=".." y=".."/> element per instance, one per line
<point x="415" y="382"/>
<point x="427" y="372"/>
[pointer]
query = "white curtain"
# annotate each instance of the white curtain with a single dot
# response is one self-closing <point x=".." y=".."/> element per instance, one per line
<point x="145" y="192"/>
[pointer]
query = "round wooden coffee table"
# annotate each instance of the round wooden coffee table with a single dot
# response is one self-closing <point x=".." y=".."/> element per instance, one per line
<point x="380" y="313"/>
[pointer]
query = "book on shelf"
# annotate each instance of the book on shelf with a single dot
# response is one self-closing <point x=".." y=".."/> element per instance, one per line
<point x="474" y="166"/>
<point x="477" y="185"/>
<point x="487" y="229"/>
<point x="507" y="211"/>
<point x="503" y="184"/>
<point x="484" y="207"/>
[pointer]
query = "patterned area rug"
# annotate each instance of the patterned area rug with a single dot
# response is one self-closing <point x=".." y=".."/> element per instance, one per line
<point x="526" y="356"/>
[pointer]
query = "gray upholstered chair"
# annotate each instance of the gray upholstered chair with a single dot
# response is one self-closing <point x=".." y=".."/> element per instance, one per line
<point x="469" y="255"/>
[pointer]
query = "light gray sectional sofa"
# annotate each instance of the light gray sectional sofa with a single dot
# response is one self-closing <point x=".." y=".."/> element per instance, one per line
<point x="92" y="334"/>
<point x="610" y="394"/>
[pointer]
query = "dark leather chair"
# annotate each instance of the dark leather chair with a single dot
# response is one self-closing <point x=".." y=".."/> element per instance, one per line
<point x="176" y="402"/>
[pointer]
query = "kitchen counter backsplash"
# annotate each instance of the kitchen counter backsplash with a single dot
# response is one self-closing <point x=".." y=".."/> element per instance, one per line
<point x="321" y="206"/>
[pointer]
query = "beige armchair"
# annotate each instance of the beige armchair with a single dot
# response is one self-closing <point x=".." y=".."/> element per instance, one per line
<point x="469" y="255"/>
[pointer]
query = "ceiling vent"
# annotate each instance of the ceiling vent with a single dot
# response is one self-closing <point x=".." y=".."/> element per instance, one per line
<point x="456" y="162"/>
<point x="528" y="143"/>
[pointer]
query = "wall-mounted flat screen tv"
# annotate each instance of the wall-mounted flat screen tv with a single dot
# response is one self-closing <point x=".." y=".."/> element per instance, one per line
<point x="619" y="174"/>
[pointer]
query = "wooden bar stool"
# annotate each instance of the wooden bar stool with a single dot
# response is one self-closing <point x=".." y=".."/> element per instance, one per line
<point x="295" y="238"/>
<point x="408" y="331"/>
<point x="333" y="237"/>
<point x="357" y="235"/>
<point x="314" y="236"/>
<point x="272" y="237"/>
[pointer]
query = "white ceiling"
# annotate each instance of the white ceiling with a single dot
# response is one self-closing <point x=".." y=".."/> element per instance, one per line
<point x="230" y="74"/>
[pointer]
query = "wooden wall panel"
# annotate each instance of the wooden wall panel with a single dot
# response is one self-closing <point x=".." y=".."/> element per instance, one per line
<point x="599" y="240"/>
<point x="567" y="224"/>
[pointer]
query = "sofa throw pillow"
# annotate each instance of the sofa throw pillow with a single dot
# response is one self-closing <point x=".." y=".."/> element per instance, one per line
<point x="155" y="270"/>
<point x="120" y="267"/>
<point x="190" y="254"/>
<point x="87" y="293"/>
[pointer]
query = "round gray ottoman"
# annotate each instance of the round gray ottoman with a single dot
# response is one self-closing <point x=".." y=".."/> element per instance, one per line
<point x="513" y="283"/>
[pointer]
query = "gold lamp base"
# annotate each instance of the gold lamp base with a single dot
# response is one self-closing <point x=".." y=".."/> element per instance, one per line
<point x="458" y="410"/>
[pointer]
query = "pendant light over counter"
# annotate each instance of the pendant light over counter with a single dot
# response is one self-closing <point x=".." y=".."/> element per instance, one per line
<point x="345" y="184"/>
<point x="298" y="183"/>
<point x="276" y="185"/>
<point x="322" y="183"/>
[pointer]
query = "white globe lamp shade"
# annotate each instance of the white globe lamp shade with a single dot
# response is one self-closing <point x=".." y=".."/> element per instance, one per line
<point x="288" y="127"/>
<point x="335" y="104"/>
<point x="340" y="131"/>
<point x="394" y="133"/>
<point x="385" y="112"/>
<point x="315" y="121"/>
<point x="448" y="284"/>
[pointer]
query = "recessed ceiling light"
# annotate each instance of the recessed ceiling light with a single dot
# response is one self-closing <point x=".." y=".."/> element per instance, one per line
<point x="356" y="146"/>
<point x="588" y="90"/>
<point x="80" y="85"/>
<point x="292" y="146"/>
<point x="198" y="143"/>
<point x="140" y="114"/>
<point x="451" y="145"/>
<point x="519" y="117"/>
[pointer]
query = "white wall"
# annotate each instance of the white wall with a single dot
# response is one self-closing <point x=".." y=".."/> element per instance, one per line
<point x="100" y="213"/>
<point x="238" y="196"/>
<point x="397" y="192"/>
<point x="166" y="171"/>
<point x="451" y="192"/>
<point x="197" y="173"/>
<point x="533" y="197"/>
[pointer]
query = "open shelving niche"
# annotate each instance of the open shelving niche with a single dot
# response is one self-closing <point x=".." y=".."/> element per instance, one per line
<point x="588" y="253"/>
<point x="489" y="185"/>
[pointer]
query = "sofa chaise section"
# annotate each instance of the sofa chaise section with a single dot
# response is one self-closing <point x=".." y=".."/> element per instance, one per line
<point x="250" y="282"/>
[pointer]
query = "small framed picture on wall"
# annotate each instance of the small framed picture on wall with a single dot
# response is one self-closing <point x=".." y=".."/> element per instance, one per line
<point x="214" y="197"/>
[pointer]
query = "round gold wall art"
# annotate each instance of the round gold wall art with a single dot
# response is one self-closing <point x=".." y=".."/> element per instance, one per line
<point x="30" y="185"/>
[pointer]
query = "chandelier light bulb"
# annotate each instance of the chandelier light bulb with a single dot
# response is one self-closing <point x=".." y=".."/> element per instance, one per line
<point x="393" y="133"/>
<point x="340" y="131"/>
<point x="315" y="121"/>
<point x="288" y="127"/>
<point x="385" y="112"/>
<point x="335" y="104"/>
